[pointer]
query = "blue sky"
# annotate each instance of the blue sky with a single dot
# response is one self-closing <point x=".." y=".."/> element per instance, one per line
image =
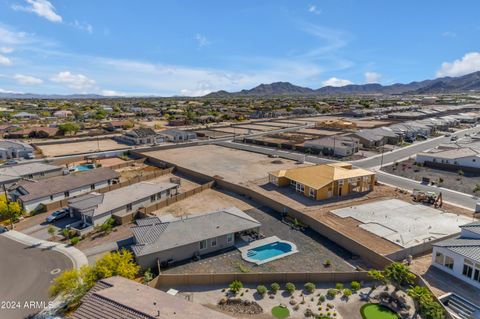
<point x="166" y="48"/>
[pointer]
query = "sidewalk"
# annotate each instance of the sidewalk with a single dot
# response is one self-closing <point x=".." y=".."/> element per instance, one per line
<point x="77" y="257"/>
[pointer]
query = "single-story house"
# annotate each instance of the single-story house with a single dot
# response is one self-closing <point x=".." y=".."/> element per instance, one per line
<point x="63" y="113"/>
<point x="120" y="298"/>
<point x="14" y="149"/>
<point x="118" y="125"/>
<point x="33" y="171"/>
<point x="460" y="256"/>
<point x="334" y="145"/>
<point x="95" y="208"/>
<point x="326" y="180"/>
<point x="25" y="115"/>
<point x="369" y="138"/>
<point x="32" y="194"/>
<point x="462" y="157"/>
<point x="141" y="136"/>
<point x="174" y="135"/>
<point x="158" y="241"/>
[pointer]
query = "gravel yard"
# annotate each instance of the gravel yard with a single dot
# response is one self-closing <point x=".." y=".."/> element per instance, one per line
<point x="81" y="147"/>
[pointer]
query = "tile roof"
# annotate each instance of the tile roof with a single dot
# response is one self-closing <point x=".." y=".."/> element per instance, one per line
<point x="60" y="184"/>
<point x="318" y="176"/>
<point x="465" y="245"/>
<point x="121" y="298"/>
<point x="152" y="235"/>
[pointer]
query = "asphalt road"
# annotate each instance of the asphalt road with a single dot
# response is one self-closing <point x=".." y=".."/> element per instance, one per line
<point x="25" y="276"/>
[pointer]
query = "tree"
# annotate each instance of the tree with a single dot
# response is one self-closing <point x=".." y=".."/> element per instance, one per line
<point x="10" y="210"/>
<point x="376" y="275"/>
<point x="117" y="264"/>
<point x="275" y="287"/>
<point x="290" y="287"/>
<point x="399" y="275"/>
<point x="67" y="128"/>
<point x="261" y="290"/>
<point x="355" y="285"/>
<point x="236" y="286"/>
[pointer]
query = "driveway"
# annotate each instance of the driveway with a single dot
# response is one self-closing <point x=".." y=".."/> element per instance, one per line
<point x="40" y="231"/>
<point x="25" y="275"/>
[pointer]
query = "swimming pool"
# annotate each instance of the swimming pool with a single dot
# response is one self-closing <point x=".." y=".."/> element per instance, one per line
<point x="84" y="167"/>
<point x="261" y="252"/>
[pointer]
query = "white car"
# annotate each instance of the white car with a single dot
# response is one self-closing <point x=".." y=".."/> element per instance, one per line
<point x="56" y="215"/>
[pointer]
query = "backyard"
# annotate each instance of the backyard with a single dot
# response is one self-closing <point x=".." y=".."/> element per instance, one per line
<point x="464" y="182"/>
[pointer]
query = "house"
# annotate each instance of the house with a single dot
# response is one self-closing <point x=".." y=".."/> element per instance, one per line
<point x="95" y="208"/>
<point x="35" y="171"/>
<point x="25" y="116"/>
<point x="141" y="136"/>
<point x="369" y="138"/>
<point x="32" y="194"/>
<point x="325" y="181"/>
<point x="460" y="256"/>
<point x="118" y="125"/>
<point x="176" y="136"/>
<point x="120" y="298"/>
<point x="456" y="158"/>
<point x="34" y="132"/>
<point x="334" y="145"/>
<point x="159" y="241"/>
<point x="63" y="113"/>
<point x="14" y="149"/>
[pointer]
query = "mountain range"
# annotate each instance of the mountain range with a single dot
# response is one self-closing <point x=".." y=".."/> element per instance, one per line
<point x="461" y="84"/>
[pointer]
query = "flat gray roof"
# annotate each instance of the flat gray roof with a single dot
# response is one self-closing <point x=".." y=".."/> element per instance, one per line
<point x="152" y="235"/>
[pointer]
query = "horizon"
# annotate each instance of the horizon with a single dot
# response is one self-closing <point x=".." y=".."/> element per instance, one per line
<point x="192" y="49"/>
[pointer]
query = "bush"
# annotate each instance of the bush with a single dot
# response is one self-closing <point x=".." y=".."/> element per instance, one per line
<point x="331" y="293"/>
<point x="355" y="285"/>
<point x="347" y="293"/>
<point x="108" y="225"/>
<point x="309" y="287"/>
<point x="261" y="290"/>
<point x="275" y="287"/>
<point x="327" y="263"/>
<point x="290" y="287"/>
<point x="339" y="286"/>
<point x="74" y="240"/>
<point x="321" y="298"/>
<point x="147" y="276"/>
<point x="236" y="286"/>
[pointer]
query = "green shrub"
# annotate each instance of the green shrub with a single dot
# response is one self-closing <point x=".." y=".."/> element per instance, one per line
<point x="74" y="241"/>
<point x="261" y="290"/>
<point x="347" y="293"/>
<point x="290" y="287"/>
<point x="327" y="263"/>
<point x="275" y="287"/>
<point x="355" y="285"/>
<point x="321" y="298"/>
<point x="236" y="286"/>
<point x="148" y="276"/>
<point x="309" y="287"/>
<point x="339" y="286"/>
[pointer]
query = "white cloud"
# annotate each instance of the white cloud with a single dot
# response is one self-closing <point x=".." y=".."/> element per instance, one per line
<point x="27" y="79"/>
<point x="449" y="34"/>
<point x="6" y="50"/>
<point x="83" y="26"/>
<point x="313" y="9"/>
<point x="469" y="63"/>
<point x="372" y="77"/>
<point x="336" y="82"/>
<point x="201" y="40"/>
<point x="4" y="60"/>
<point x="42" y="8"/>
<point x="73" y="81"/>
<point x="9" y="91"/>
<point x="9" y="37"/>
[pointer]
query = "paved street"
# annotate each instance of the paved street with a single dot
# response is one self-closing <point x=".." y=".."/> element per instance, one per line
<point x="25" y="274"/>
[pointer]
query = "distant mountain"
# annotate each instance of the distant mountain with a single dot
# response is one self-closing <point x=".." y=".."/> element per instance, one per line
<point x="463" y="83"/>
<point x="50" y="96"/>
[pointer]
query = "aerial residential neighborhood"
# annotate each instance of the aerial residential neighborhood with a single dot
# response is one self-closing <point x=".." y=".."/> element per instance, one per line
<point x="239" y="159"/>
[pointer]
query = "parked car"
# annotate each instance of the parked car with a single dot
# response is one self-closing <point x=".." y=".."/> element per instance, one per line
<point x="56" y="215"/>
<point x="3" y="229"/>
<point x="448" y="135"/>
<point x="453" y="138"/>
<point x="11" y="162"/>
<point x="30" y="156"/>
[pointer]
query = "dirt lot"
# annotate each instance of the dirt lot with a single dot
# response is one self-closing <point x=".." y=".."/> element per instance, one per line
<point x="257" y="127"/>
<point x="185" y="184"/>
<point x="233" y="165"/>
<point x="453" y="180"/>
<point x="206" y="201"/>
<point x="81" y="147"/>
<point x="236" y="130"/>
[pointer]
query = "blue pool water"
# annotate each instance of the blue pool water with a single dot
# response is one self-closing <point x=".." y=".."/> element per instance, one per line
<point x="84" y="167"/>
<point x="269" y="251"/>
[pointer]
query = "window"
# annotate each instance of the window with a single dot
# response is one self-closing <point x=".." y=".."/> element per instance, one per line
<point x="66" y="194"/>
<point x="340" y="183"/>
<point x="467" y="268"/>
<point x="129" y="207"/>
<point x="293" y="184"/>
<point x="213" y="242"/>
<point x="92" y="187"/>
<point x="476" y="273"/>
<point x="229" y="238"/>
<point x="42" y="174"/>
<point x="300" y="188"/>
<point x="30" y="176"/>
<point x="152" y="198"/>
<point x="51" y="197"/>
<point x="203" y="244"/>
<point x="449" y="262"/>
<point x="159" y="195"/>
<point x="312" y="193"/>
<point x="439" y="258"/>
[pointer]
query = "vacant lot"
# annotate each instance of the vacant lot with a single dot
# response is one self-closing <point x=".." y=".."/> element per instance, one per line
<point x="233" y="165"/>
<point x="81" y="147"/>
<point x="465" y="183"/>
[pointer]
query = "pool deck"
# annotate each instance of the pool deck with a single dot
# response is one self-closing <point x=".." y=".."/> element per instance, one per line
<point x="262" y="242"/>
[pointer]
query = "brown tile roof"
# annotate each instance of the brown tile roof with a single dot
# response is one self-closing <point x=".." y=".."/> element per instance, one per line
<point x="120" y="298"/>
<point x="60" y="184"/>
